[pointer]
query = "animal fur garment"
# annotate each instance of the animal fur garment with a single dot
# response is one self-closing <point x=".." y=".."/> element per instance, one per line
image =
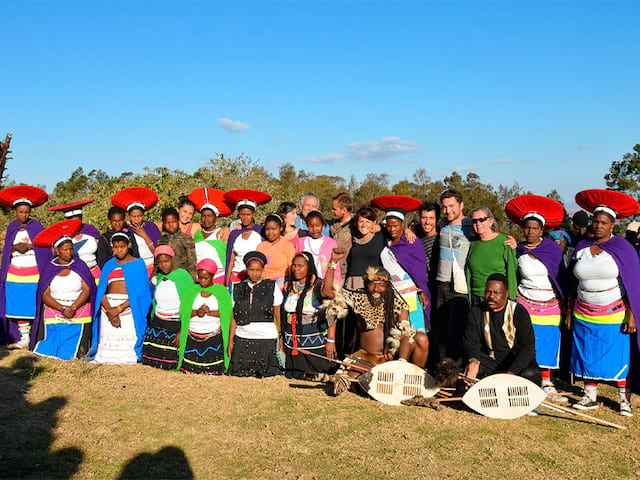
<point x="337" y="307"/>
<point x="447" y="372"/>
<point x="396" y="334"/>
<point x="420" y="401"/>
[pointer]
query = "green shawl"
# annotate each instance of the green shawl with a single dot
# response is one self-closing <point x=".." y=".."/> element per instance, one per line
<point x="180" y="277"/>
<point x="224" y="307"/>
<point x="219" y="245"/>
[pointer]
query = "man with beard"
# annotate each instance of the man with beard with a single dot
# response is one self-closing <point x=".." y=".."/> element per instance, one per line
<point x="499" y="337"/>
<point x="382" y="320"/>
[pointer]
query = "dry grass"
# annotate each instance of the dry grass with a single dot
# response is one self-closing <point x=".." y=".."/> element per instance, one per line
<point x="63" y="420"/>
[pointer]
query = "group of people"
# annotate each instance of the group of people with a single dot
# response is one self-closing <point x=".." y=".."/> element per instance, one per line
<point x="297" y="292"/>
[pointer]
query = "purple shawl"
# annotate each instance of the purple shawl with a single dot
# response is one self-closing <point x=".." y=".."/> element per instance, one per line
<point x="626" y="259"/>
<point x="152" y="230"/>
<point x="412" y="258"/>
<point x="43" y="255"/>
<point x="90" y="230"/>
<point x="232" y="238"/>
<point x="46" y="277"/>
<point x="550" y="254"/>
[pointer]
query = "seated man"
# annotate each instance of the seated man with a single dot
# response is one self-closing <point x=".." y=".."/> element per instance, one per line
<point x="382" y="320"/>
<point x="499" y="336"/>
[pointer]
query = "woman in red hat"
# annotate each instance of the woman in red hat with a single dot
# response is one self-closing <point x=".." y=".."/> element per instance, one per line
<point x="21" y="265"/>
<point x="64" y="301"/>
<point x="604" y="299"/>
<point x="405" y="261"/>
<point x="211" y="240"/>
<point x="136" y="201"/>
<point x="541" y="279"/>
<point x="85" y="242"/>
<point x="248" y="236"/>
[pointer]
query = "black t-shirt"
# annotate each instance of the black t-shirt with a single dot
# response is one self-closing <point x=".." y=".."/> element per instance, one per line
<point x="362" y="256"/>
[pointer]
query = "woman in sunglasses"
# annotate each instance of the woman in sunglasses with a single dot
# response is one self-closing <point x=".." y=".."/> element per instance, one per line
<point x="490" y="252"/>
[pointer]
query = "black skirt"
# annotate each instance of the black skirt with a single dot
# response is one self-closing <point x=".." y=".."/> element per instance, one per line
<point x="158" y="349"/>
<point x="297" y="366"/>
<point x="203" y="354"/>
<point x="254" y="358"/>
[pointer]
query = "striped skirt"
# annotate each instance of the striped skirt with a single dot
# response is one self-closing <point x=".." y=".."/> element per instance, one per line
<point x="117" y="345"/>
<point x="20" y="290"/>
<point x="159" y="349"/>
<point x="203" y="354"/>
<point x="546" y="318"/>
<point x="600" y="349"/>
<point x="64" y="338"/>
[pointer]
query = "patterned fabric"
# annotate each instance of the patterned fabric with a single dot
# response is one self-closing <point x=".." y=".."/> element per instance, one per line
<point x="117" y="344"/>
<point x="254" y="358"/>
<point x="159" y="349"/>
<point x="203" y="354"/>
<point x="20" y="290"/>
<point x="372" y="315"/>
<point x="601" y="351"/>
<point x="546" y="319"/>
<point x="184" y="248"/>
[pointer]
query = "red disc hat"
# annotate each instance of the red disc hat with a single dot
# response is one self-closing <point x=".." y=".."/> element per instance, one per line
<point x="71" y="209"/>
<point x="135" y="197"/>
<point x="210" y="198"/>
<point x="396" y="206"/>
<point x="615" y="204"/>
<point x="544" y="209"/>
<point x="246" y="198"/>
<point x="32" y="196"/>
<point x="58" y="233"/>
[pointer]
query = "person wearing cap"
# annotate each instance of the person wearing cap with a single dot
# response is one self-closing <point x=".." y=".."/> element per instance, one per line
<point x="489" y="253"/>
<point x="248" y="236"/>
<point x="211" y="240"/>
<point x="85" y="242"/>
<point x="255" y="324"/>
<point x="136" y="201"/>
<point x="122" y="303"/>
<point x="205" y="314"/>
<point x="302" y="325"/>
<point x="22" y="263"/>
<point x="65" y="297"/>
<point x="382" y="320"/>
<point x="405" y="261"/>
<point x="317" y="244"/>
<point x="182" y="244"/>
<point x="604" y="299"/>
<point x="162" y="337"/>
<point x="563" y="240"/>
<point x="309" y="202"/>
<point x="276" y="249"/>
<point x="116" y="218"/>
<point x="541" y="282"/>
<point x="580" y="224"/>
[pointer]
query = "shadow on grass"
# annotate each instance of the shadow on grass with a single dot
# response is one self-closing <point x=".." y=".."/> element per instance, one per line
<point x="168" y="462"/>
<point x="26" y="429"/>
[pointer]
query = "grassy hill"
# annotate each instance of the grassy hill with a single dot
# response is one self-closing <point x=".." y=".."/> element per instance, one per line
<point x="76" y="420"/>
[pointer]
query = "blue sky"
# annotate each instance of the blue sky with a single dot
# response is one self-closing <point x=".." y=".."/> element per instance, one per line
<point x="543" y="93"/>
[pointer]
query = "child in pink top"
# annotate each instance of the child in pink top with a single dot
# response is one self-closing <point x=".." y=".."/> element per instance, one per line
<point x="318" y="245"/>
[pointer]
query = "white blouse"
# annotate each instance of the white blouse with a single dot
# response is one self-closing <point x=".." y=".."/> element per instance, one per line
<point x="243" y="246"/>
<point x="534" y="279"/>
<point x="66" y="289"/>
<point x="208" y="323"/>
<point x="167" y="299"/>
<point x="597" y="277"/>
<point x="87" y="250"/>
<point x="23" y="260"/>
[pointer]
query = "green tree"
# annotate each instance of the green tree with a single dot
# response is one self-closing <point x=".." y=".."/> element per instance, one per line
<point x="624" y="175"/>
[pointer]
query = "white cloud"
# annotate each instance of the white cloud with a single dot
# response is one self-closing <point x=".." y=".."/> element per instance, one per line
<point x="387" y="147"/>
<point x="328" y="158"/>
<point x="232" y="125"/>
<point x="502" y="160"/>
<point x="461" y="169"/>
<point x="587" y="147"/>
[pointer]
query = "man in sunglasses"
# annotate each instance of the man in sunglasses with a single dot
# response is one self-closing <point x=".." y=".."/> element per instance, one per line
<point x="451" y="303"/>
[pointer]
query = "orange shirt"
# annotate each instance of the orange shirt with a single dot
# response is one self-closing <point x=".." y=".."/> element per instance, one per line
<point x="279" y="256"/>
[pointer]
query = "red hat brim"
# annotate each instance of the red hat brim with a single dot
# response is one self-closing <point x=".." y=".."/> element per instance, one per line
<point x="396" y="202"/>
<point x="232" y="197"/>
<point x="551" y="210"/>
<point x="10" y="195"/>
<point x="50" y="235"/>
<point x="212" y="196"/>
<point x="133" y="197"/>
<point x="71" y="206"/>
<point x="624" y="205"/>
